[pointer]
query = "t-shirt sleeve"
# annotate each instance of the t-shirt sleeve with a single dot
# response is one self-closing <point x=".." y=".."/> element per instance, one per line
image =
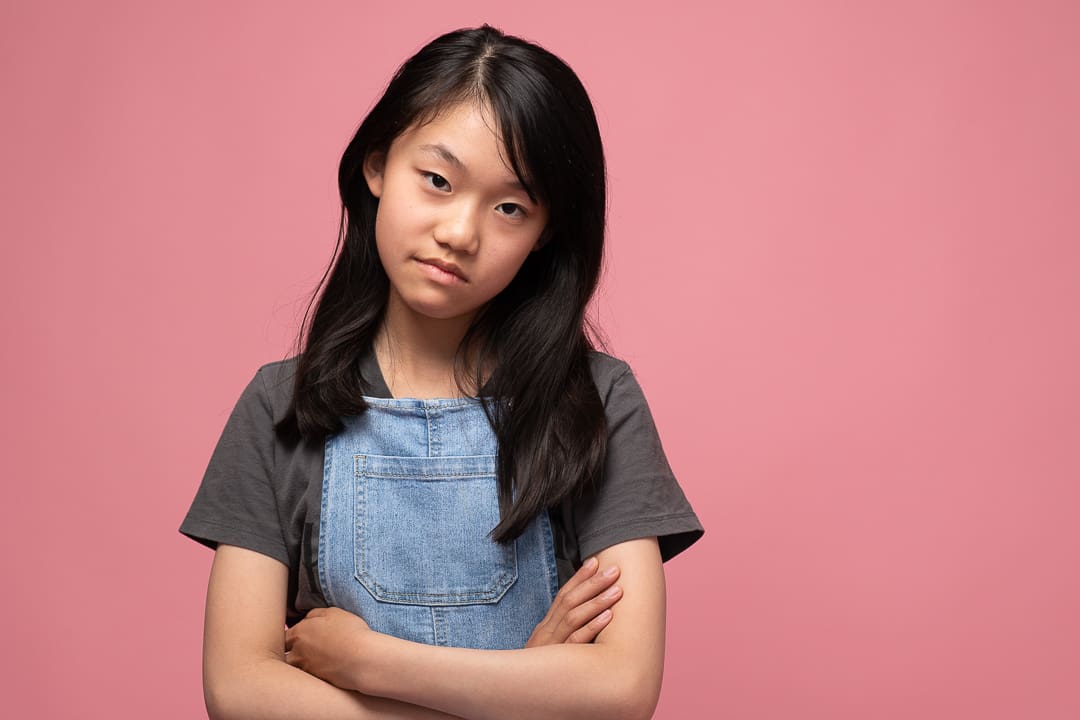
<point x="235" y="503"/>
<point x="638" y="495"/>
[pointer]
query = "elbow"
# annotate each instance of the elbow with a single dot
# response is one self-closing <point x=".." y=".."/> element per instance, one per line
<point x="219" y="704"/>
<point x="637" y="706"/>
<point x="235" y="684"/>
<point x="227" y="697"/>
<point x="634" y="698"/>
<point x="628" y="711"/>
<point x="223" y="705"/>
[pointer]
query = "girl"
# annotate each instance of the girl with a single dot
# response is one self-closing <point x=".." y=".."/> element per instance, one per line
<point x="410" y="492"/>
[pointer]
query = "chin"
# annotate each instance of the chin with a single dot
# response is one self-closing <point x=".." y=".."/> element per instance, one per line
<point x="440" y="311"/>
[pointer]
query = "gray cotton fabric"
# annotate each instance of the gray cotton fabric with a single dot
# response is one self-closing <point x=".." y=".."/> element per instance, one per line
<point x="263" y="492"/>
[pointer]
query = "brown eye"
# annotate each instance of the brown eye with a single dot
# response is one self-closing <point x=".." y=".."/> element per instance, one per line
<point x="511" y="209"/>
<point x="437" y="181"/>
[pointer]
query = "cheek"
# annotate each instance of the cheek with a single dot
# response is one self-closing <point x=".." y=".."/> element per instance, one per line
<point x="382" y="233"/>
<point x="395" y="225"/>
<point x="507" y="266"/>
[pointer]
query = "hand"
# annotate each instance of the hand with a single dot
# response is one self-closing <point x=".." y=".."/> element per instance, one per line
<point x="581" y="609"/>
<point x="328" y="643"/>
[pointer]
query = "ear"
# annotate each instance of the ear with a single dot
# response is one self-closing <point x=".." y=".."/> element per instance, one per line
<point x="374" y="169"/>
<point x="541" y="241"/>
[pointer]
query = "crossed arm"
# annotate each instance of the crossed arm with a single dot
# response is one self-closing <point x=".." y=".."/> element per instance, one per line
<point x="338" y="668"/>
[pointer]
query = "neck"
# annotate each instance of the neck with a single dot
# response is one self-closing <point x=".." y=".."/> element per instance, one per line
<point x="416" y="353"/>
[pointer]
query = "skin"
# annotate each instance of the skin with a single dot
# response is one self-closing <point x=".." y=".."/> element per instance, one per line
<point x="618" y="676"/>
<point x="582" y="660"/>
<point x="582" y="607"/>
<point x="447" y="195"/>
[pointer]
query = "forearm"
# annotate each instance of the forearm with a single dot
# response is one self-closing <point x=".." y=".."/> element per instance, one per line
<point x="269" y="689"/>
<point x="617" y="676"/>
<point x="593" y="681"/>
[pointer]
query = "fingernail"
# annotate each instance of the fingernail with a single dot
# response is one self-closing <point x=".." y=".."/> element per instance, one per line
<point x="604" y="616"/>
<point x="613" y="591"/>
<point x="590" y="563"/>
<point x="610" y="572"/>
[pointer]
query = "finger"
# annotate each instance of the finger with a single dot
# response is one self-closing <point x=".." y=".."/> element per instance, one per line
<point x="559" y="605"/>
<point x="584" y="613"/>
<point x="566" y="614"/>
<point x="584" y="586"/>
<point x="591" y="588"/>
<point x="586" y="571"/>
<point x="588" y="633"/>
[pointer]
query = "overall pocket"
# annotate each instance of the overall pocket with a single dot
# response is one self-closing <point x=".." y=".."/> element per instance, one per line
<point x="421" y="530"/>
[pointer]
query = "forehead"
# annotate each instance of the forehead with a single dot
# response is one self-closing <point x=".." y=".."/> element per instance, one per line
<point x="465" y="135"/>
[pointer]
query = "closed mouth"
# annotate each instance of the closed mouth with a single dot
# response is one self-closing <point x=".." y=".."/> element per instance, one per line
<point x="445" y="266"/>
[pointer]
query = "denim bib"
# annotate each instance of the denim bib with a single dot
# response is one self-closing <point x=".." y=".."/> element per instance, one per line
<point x="409" y="497"/>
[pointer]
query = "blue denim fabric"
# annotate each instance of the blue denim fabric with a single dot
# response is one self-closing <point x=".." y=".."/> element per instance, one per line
<point x="409" y="497"/>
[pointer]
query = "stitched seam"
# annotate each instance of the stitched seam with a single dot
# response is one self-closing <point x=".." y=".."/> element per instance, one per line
<point x="437" y="476"/>
<point x="636" y="522"/>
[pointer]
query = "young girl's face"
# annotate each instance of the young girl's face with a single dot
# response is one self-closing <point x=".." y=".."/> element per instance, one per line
<point x="454" y="224"/>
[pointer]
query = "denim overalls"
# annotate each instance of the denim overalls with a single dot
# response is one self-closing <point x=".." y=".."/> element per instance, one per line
<point x="409" y="497"/>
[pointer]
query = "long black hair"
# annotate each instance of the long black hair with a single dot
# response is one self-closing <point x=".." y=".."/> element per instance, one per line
<point x="534" y="336"/>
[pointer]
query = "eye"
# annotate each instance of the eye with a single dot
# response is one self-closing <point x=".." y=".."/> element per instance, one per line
<point x="511" y="210"/>
<point x="436" y="181"/>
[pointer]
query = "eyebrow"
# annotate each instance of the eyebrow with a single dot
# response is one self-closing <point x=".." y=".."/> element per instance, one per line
<point x="450" y="158"/>
<point x="444" y="152"/>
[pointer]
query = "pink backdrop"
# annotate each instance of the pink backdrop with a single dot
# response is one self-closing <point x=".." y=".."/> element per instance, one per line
<point x="843" y="261"/>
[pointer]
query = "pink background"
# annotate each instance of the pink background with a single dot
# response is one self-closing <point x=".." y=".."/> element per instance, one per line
<point x="843" y="261"/>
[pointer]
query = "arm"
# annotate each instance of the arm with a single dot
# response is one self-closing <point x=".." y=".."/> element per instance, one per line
<point x="582" y="607"/>
<point x="244" y="670"/>
<point x="618" y="676"/>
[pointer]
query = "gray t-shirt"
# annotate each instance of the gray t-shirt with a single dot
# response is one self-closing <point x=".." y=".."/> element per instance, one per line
<point x="263" y="492"/>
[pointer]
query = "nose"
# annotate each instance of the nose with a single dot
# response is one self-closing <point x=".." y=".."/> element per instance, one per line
<point x="457" y="229"/>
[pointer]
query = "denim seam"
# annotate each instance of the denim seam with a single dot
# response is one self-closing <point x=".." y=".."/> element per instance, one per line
<point x="491" y="600"/>
<point x="432" y="476"/>
<point x="438" y="623"/>
<point x="359" y="511"/>
<point x="493" y="595"/>
<point x="499" y="585"/>
<point x="550" y="568"/>
<point x="328" y="474"/>
<point x="434" y="441"/>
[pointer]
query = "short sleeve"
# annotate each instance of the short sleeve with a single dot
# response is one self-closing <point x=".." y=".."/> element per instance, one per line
<point x="638" y="495"/>
<point x="235" y="504"/>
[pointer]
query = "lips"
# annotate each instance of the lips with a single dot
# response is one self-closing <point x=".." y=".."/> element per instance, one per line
<point x="445" y="267"/>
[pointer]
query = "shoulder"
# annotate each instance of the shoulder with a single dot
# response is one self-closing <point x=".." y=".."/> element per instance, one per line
<point x="273" y="385"/>
<point x="279" y="371"/>
<point x="638" y="495"/>
<point x="617" y="386"/>
<point x="607" y="372"/>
